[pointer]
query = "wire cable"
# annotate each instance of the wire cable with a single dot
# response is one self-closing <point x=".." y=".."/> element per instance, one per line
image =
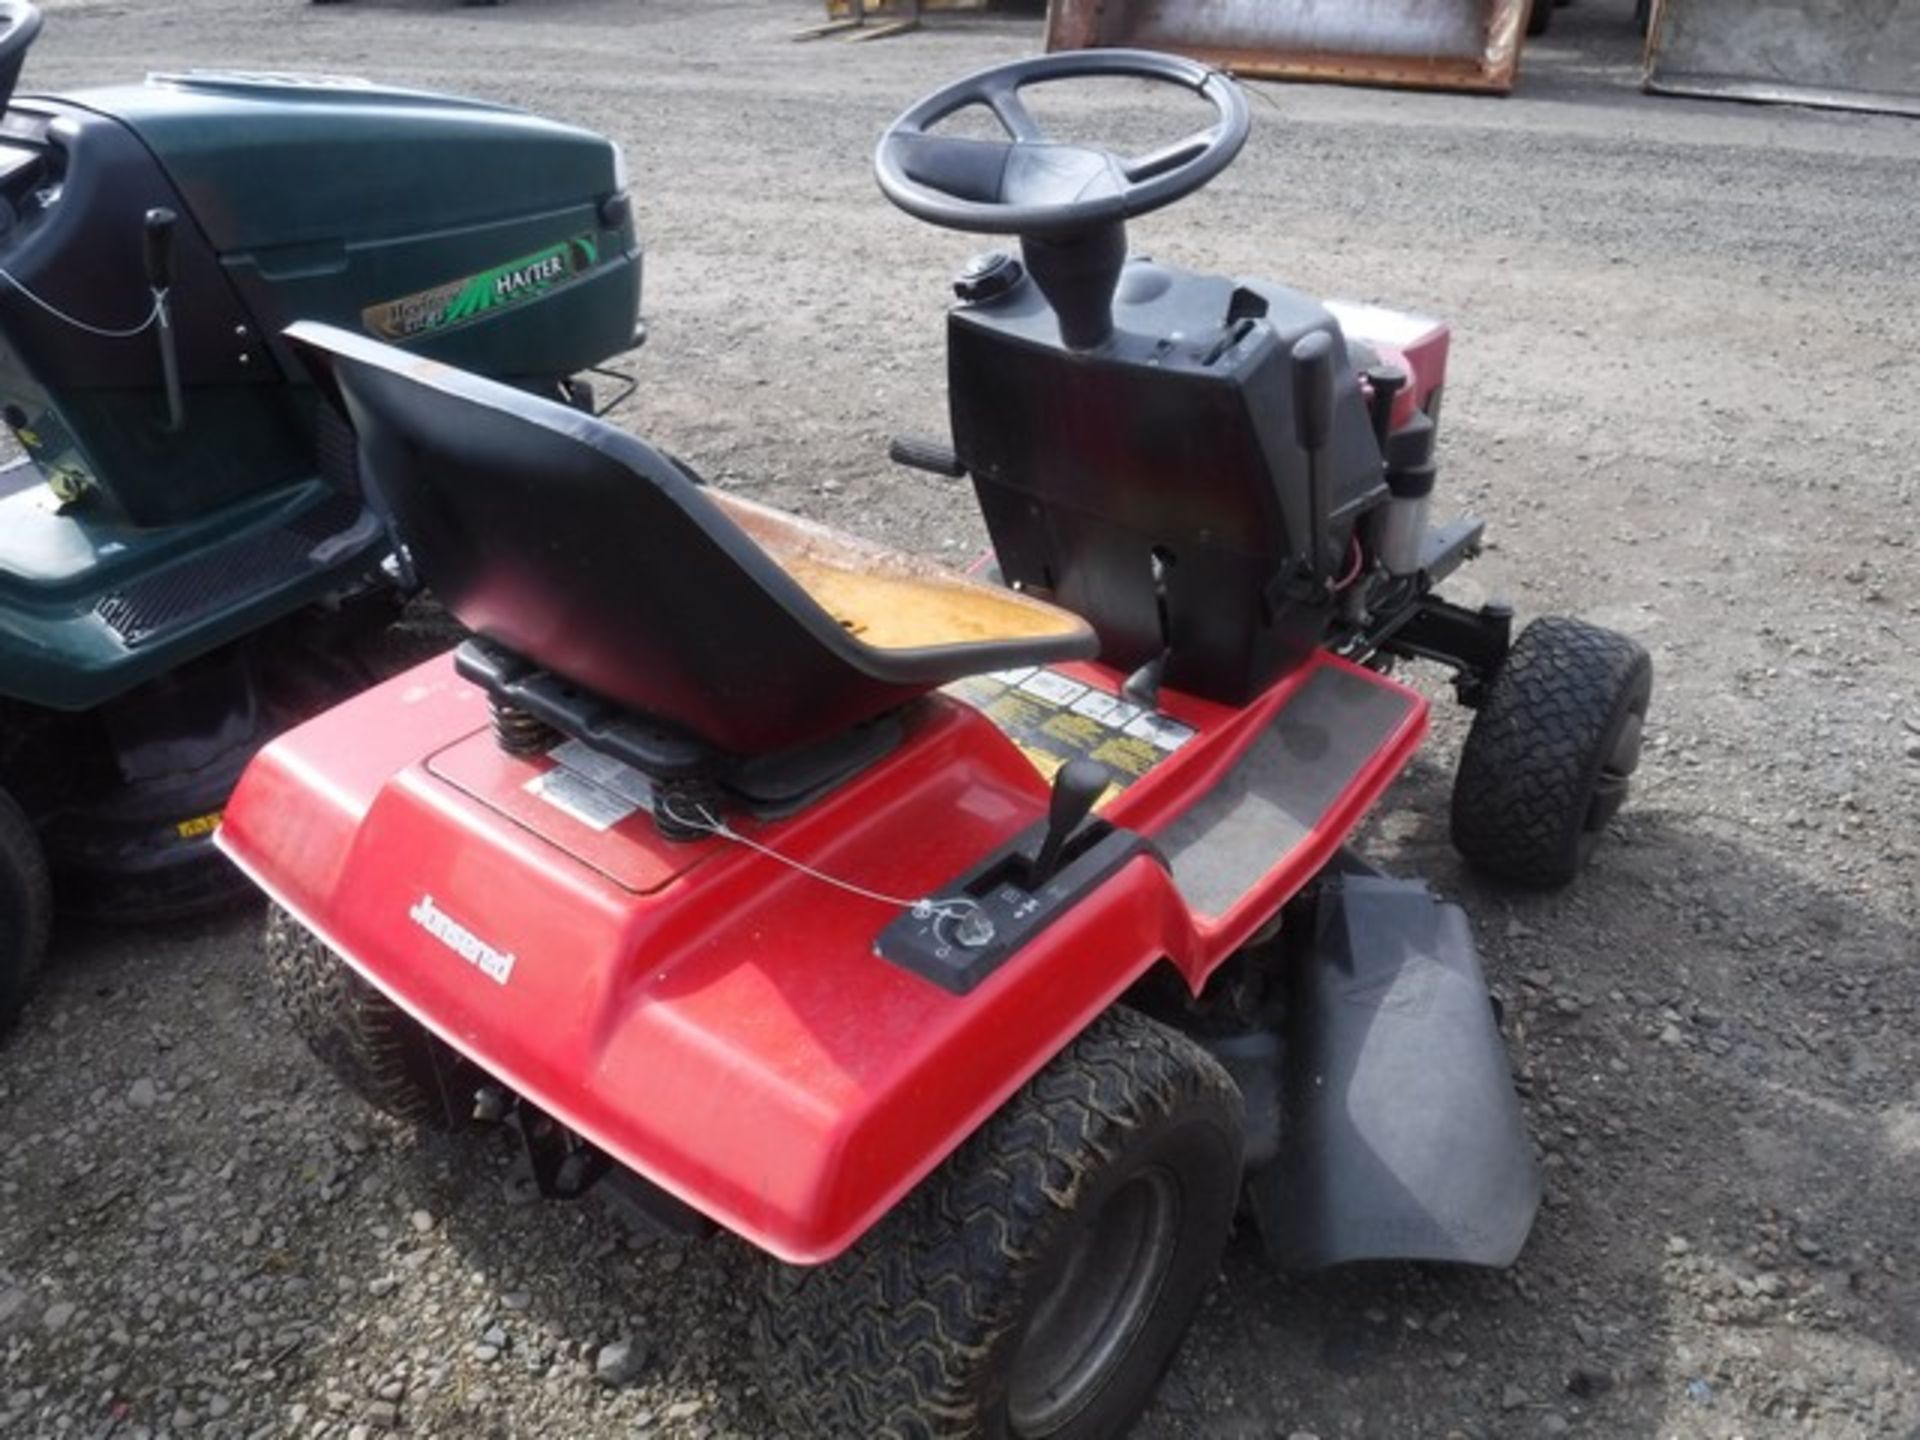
<point x="937" y="907"/>
<point x="1353" y="570"/>
<point x="104" y="332"/>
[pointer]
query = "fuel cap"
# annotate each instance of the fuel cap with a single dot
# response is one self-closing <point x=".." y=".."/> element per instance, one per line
<point x="987" y="276"/>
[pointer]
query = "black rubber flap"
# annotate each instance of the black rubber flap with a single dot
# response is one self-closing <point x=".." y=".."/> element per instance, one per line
<point x="1403" y="1137"/>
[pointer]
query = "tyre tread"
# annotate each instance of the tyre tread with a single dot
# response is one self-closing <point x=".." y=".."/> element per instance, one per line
<point x="23" y="934"/>
<point x="885" y="1341"/>
<point x="1532" y="755"/>
<point x="370" y="1044"/>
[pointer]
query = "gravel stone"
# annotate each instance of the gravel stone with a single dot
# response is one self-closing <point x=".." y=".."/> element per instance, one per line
<point x="618" y="1362"/>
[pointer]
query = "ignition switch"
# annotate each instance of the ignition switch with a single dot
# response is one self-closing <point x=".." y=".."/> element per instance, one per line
<point x="987" y="276"/>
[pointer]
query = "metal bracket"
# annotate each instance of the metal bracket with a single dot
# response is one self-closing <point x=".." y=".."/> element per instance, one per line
<point x="564" y="1166"/>
<point x="1474" y="643"/>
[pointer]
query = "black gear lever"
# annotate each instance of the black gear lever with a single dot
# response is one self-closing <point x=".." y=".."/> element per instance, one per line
<point x="157" y="251"/>
<point x="1312" y="429"/>
<point x="1077" y="785"/>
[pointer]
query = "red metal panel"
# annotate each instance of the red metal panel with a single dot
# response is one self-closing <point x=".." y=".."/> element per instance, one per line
<point x="1416" y="344"/>
<point x="1445" y="44"/>
<point x="630" y="853"/>
<point x="725" y="1028"/>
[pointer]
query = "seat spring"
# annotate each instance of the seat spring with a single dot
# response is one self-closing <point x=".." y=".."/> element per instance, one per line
<point x="519" y="731"/>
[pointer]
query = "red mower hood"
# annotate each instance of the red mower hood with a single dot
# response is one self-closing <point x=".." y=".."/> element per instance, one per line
<point x="711" y="1017"/>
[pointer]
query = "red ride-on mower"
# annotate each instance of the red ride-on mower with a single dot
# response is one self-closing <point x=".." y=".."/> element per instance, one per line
<point x="977" y="950"/>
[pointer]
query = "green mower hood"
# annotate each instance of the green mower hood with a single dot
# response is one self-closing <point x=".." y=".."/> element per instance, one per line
<point x="330" y="160"/>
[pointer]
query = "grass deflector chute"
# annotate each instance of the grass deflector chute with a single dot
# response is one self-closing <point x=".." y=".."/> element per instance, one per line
<point x="975" y="946"/>
<point x="188" y="555"/>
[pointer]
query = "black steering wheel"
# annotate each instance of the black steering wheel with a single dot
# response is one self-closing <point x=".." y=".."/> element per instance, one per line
<point x="19" y="23"/>
<point x="1031" y="186"/>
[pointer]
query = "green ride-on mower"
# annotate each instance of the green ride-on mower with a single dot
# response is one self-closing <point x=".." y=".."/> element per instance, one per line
<point x="187" y="560"/>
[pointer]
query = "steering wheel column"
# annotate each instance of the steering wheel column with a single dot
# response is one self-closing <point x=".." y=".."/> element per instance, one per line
<point x="19" y="25"/>
<point x="1079" y="274"/>
<point x="1067" y="203"/>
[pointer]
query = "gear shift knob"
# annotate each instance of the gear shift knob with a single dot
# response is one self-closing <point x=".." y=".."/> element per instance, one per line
<point x="1076" y="786"/>
<point x="157" y="247"/>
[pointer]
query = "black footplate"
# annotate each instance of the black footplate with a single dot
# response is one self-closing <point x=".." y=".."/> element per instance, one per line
<point x="1278" y="792"/>
<point x="976" y="924"/>
<point x="194" y="589"/>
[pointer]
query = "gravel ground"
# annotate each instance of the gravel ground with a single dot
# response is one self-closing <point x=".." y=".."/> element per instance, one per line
<point x="1682" y="336"/>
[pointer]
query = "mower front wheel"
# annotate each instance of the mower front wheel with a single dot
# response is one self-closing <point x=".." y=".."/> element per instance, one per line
<point x="1039" y="1282"/>
<point x="371" y="1045"/>
<point x="1551" y="755"/>
<point x="26" y="909"/>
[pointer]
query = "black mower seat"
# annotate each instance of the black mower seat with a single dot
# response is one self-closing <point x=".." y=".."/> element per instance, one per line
<point x="586" y="552"/>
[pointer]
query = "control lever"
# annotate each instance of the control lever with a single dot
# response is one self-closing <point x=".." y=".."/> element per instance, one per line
<point x="158" y="254"/>
<point x="1142" y="687"/>
<point x="929" y="455"/>
<point x="1312" y="427"/>
<point x="1075" y="788"/>
<point x="1387" y="381"/>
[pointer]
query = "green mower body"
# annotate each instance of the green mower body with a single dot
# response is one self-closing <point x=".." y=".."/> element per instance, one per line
<point x="130" y="542"/>
<point x="188" y="562"/>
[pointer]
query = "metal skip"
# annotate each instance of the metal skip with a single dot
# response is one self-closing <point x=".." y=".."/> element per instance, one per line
<point x="1438" y="44"/>
<point x="1848" y="54"/>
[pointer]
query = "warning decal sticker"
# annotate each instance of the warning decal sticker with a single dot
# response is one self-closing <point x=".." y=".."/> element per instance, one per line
<point x="597" y="790"/>
<point x="1054" y="719"/>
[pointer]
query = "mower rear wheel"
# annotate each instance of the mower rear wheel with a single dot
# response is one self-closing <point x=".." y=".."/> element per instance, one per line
<point x="26" y="909"/>
<point x="1037" y="1284"/>
<point x="1551" y="755"/>
<point x="372" y="1046"/>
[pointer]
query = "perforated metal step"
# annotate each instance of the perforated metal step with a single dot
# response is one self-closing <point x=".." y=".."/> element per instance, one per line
<point x="193" y="589"/>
